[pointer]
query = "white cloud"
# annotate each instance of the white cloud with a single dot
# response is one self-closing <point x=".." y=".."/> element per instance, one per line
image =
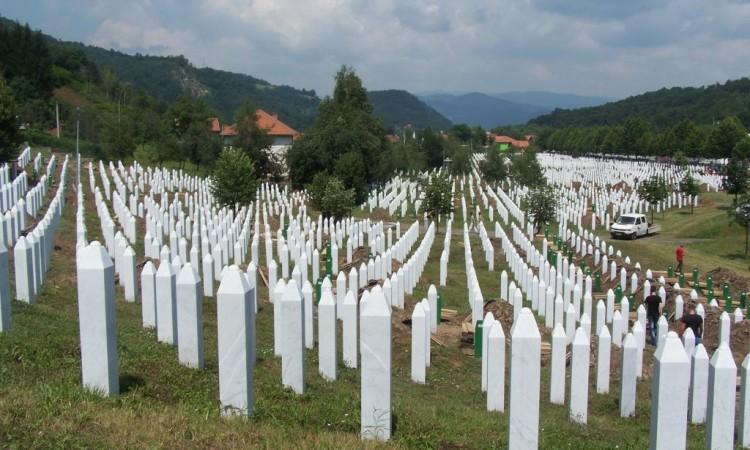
<point x="130" y="36"/>
<point x="603" y="47"/>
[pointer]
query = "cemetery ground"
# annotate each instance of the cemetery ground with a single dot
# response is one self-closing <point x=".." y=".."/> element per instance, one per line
<point x="164" y="404"/>
<point x="711" y="241"/>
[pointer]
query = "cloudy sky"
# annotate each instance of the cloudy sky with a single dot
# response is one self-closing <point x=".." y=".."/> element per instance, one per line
<point x="596" y="47"/>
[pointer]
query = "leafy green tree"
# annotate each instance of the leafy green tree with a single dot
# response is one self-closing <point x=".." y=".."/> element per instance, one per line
<point x="146" y="154"/>
<point x="337" y="200"/>
<point x="317" y="188"/>
<point x="540" y="203"/>
<point x="187" y="122"/>
<point x="735" y="177"/>
<point x="687" y="138"/>
<point x="653" y="191"/>
<point x="433" y="148"/>
<point x="526" y="170"/>
<point x="741" y="150"/>
<point x="234" y="181"/>
<point x="689" y="186"/>
<point x="400" y="157"/>
<point x="461" y="132"/>
<point x="438" y="199"/>
<point x="740" y="214"/>
<point x="117" y="136"/>
<point x="253" y="140"/>
<point x="680" y="159"/>
<point x="345" y="128"/>
<point x="725" y="136"/>
<point x="613" y="141"/>
<point x="352" y="170"/>
<point x="478" y="137"/>
<point x="635" y="135"/>
<point x="494" y="167"/>
<point x="10" y="136"/>
<point x="460" y="156"/>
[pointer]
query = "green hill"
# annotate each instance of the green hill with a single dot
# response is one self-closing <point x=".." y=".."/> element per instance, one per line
<point x="168" y="77"/>
<point x="397" y="108"/>
<point x="662" y="108"/>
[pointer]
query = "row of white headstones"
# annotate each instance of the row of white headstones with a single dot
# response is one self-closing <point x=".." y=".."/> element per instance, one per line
<point x="17" y="202"/>
<point x="579" y="338"/>
<point x="192" y="281"/>
<point x="32" y="252"/>
<point x="664" y="431"/>
<point x="160" y="288"/>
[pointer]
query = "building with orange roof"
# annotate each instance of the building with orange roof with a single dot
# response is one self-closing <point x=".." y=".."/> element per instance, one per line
<point x="504" y="143"/>
<point x="215" y="125"/>
<point x="228" y="132"/>
<point x="281" y="134"/>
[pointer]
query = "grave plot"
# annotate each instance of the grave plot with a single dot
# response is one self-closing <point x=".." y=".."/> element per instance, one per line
<point x="267" y="323"/>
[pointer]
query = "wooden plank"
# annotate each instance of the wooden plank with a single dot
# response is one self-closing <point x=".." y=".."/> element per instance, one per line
<point x="437" y="341"/>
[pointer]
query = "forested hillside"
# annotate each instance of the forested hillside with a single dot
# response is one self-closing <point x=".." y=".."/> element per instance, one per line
<point x="168" y="77"/>
<point x="663" y="108"/>
<point x="397" y="108"/>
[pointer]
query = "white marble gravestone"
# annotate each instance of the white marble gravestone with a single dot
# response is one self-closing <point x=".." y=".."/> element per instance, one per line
<point x="235" y="322"/>
<point x="96" y="317"/>
<point x="602" y="361"/>
<point x="327" y="359"/>
<point x="525" y="378"/>
<point x="669" y="395"/>
<point x="375" y="346"/>
<point x="722" y="379"/>
<point x="189" y="318"/>
<point x="166" y="304"/>
<point x="579" y="377"/>
<point x="496" y="368"/>
<point x="419" y="327"/>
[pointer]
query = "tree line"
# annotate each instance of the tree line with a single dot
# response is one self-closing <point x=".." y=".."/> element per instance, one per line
<point x="637" y="137"/>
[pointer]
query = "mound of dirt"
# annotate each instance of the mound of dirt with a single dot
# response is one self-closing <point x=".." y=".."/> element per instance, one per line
<point x="739" y="339"/>
<point x="379" y="214"/>
<point x="359" y="256"/>
<point x="737" y="283"/>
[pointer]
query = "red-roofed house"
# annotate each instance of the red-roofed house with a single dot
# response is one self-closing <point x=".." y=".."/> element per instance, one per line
<point x="228" y="133"/>
<point x="215" y="126"/>
<point x="280" y="133"/>
<point x="505" y="142"/>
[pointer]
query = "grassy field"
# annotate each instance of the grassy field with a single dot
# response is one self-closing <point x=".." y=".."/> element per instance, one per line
<point x="711" y="240"/>
<point x="166" y="405"/>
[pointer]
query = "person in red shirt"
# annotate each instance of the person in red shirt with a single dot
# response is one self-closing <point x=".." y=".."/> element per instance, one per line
<point x="680" y="254"/>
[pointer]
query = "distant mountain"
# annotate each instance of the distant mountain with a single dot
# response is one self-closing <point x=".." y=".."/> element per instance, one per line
<point x="553" y="100"/>
<point x="482" y="109"/>
<point x="397" y="108"/>
<point x="663" y="108"/>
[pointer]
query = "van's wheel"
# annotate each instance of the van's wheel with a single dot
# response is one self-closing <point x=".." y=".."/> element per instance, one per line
<point x="633" y="236"/>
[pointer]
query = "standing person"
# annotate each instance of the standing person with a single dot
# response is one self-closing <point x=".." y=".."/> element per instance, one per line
<point x="653" y="312"/>
<point x="693" y="321"/>
<point x="680" y="255"/>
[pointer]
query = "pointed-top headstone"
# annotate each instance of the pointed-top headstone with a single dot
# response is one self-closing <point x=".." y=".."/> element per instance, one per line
<point x="669" y="395"/>
<point x="96" y="316"/>
<point x="375" y="345"/>
<point x="525" y="373"/>
<point x="235" y="320"/>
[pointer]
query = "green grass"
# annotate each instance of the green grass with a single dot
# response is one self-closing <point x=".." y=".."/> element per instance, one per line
<point x="165" y="405"/>
<point x="709" y="237"/>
